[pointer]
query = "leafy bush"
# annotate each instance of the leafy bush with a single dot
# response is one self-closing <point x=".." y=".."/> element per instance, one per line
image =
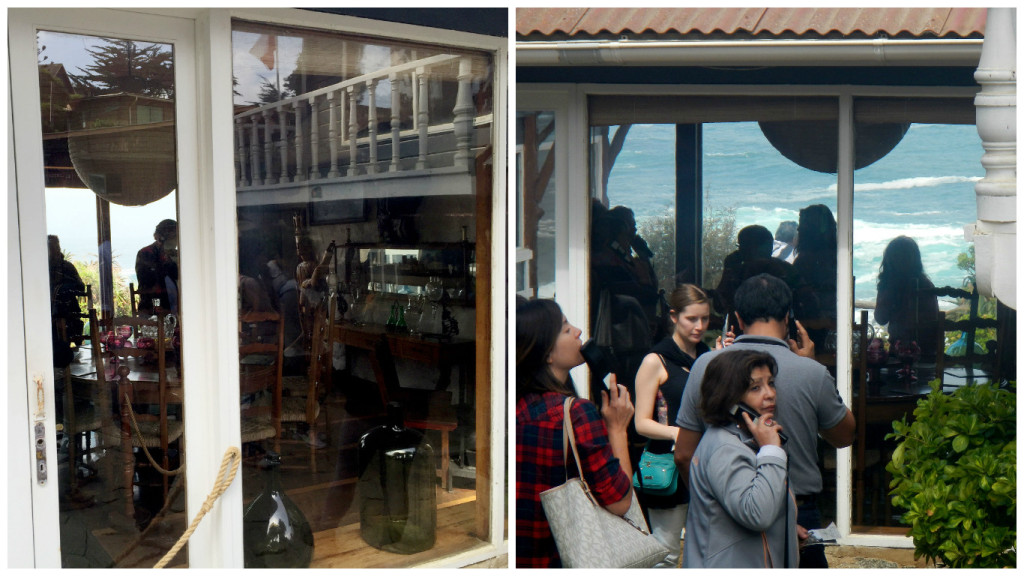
<point x="955" y="473"/>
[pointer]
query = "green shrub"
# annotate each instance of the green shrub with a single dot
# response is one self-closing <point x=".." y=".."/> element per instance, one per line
<point x="955" y="473"/>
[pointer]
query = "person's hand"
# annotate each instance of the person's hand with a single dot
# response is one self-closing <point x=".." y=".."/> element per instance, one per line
<point x="616" y="407"/>
<point x="764" y="429"/>
<point x="802" y="532"/>
<point x="730" y="336"/>
<point x="805" y="346"/>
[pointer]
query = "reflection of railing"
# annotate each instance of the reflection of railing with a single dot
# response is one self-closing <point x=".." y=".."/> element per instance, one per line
<point x="274" y="147"/>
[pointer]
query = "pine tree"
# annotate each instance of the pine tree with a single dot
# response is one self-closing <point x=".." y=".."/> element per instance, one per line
<point x="128" y="66"/>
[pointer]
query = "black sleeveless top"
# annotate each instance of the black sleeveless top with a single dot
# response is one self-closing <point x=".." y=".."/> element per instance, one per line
<point x="677" y="363"/>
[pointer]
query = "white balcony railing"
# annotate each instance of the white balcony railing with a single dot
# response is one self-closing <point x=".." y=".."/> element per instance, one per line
<point x="333" y="133"/>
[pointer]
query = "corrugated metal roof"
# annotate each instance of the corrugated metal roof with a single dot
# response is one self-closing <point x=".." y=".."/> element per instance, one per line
<point x="695" y="23"/>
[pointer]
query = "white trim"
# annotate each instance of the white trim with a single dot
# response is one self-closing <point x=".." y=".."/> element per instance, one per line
<point x="34" y="278"/>
<point x="832" y="53"/>
<point x="779" y="90"/>
<point x="372" y="28"/>
<point x="209" y="218"/>
<point x="844" y="294"/>
<point x="500" y="292"/>
<point x="20" y="542"/>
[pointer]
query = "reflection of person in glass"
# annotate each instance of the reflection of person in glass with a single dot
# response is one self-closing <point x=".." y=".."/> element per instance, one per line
<point x="156" y="267"/>
<point x="65" y="283"/>
<point x="909" y="315"/>
<point x="816" y="263"/>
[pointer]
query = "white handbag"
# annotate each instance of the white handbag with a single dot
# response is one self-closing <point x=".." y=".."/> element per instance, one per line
<point x="586" y="534"/>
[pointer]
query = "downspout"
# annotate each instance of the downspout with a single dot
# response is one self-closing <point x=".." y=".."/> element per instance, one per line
<point x="874" y="52"/>
<point x="995" y="232"/>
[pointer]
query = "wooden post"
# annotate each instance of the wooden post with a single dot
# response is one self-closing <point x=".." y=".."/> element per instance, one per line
<point x="423" y="117"/>
<point x="396" y="120"/>
<point x="333" y="134"/>
<point x="314" y="138"/>
<point x="464" y="111"/>
<point x="371" y="91"/>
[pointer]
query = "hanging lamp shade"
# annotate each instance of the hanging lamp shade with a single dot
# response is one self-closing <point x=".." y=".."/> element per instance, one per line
<point x="122" y="146"/>
<point x="813" y="144"/>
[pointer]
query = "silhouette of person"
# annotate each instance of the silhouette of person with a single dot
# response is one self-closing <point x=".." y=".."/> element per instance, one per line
<point x="816" y="263"/>
<point x="156" y="269"/>
<point x="65" y="312"/>
<point x="908" y="314"/>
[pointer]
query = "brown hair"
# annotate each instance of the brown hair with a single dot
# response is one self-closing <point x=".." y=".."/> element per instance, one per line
<point x="686" y="294"/>
<point x="726" y="380"/>
<point x="538" y="323"/>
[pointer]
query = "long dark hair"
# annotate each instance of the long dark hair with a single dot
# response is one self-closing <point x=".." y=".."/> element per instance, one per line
<point x="901" y="264"/>
<point x="538" y="324"/>
<point x="726" y="380"/>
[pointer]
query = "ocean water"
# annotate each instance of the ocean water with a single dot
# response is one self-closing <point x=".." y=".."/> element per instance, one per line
<point x="924" y="189"/>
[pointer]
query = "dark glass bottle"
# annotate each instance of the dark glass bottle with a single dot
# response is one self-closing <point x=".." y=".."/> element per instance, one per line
<point x="397" y="500"/>
<point x="274" y="530"/>
<point x="392" y="319"/>
<point x="401" y="326"/>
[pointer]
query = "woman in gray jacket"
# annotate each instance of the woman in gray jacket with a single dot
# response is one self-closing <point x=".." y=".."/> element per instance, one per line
<point x="741" y="514"/>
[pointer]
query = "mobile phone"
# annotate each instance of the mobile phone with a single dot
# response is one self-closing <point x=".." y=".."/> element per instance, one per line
<point x="794" y="334"/>
<point x="741" y="407"/>
<point x="725" y="326"/>
<point x="599" y="359"/>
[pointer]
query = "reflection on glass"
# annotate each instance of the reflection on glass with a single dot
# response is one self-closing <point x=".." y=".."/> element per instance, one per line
<point x="912" y="269"/>
<point x="357" y="167"/>
<point x="108" y="118"/>
<point x="536" y="179"/>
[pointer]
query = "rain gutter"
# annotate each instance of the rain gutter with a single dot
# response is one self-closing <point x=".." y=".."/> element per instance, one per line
<point x="874" y="52"/>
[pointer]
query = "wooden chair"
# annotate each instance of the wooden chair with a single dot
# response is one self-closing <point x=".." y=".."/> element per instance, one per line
<point x="77" y="422"/>
<point x="424" y="409"/>
<point x="130" y="369"/>
<point x="261" y="359"/>
<point x="970" y="326"/>
<point x="302" y="402"/>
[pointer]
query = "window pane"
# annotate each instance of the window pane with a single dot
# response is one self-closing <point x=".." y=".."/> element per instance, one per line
<point x="109" y="147"/>
<point x="359" y="163"/>
<point x="535" y="203"/>
<point x="910" y="208"/>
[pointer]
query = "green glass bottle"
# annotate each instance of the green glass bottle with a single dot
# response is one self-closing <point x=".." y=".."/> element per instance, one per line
<point x="401" y="326"/>
<point x="275" y="532"/>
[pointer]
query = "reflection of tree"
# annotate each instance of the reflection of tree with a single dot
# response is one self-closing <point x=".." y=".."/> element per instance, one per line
<point x="127" y="66"/>
<point x="90" y="274"/>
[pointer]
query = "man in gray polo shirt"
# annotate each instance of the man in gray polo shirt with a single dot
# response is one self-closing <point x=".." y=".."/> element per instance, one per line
<point x="808" y="403"/>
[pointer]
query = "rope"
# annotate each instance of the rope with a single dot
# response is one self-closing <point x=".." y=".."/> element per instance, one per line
<point x="142" y="443"/>
<point x="224" y="479"/>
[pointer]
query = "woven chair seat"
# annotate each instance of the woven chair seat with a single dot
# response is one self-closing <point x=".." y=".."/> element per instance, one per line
<point x="255" y="429"/>
<point x="294" y="410"/>
<point x="87" y="420"/>
<point x="151" y="433"/>
<point x="294" y="385"/>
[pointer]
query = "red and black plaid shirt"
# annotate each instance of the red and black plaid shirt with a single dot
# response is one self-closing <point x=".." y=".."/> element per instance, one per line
<point x="539" y="466"/>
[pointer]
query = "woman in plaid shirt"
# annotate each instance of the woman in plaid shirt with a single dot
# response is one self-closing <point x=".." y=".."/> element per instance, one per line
<point x="547" y="347"/>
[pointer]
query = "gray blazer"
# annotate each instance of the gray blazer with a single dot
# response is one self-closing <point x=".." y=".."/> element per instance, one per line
<point x="738" y="503"/>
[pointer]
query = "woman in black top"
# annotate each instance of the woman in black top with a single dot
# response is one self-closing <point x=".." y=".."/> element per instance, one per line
<point x="664" y="373"/>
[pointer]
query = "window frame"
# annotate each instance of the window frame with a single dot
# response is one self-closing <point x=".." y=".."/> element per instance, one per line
<point x="577" y="237"/>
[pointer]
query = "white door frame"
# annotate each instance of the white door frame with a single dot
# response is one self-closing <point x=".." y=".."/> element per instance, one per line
<point x="573" y="274"/>
<point x="27" y="253"/>
<point x="207" y="236"/>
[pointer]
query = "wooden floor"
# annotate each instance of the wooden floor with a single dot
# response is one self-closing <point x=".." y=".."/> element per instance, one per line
<point x="96" y="533"/>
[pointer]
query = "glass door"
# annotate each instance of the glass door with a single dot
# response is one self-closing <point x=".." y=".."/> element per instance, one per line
<point x="96" y="139"/>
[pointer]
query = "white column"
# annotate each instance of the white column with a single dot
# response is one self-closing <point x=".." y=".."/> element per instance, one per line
<point x="243" y="160"/>
<point x="396" y="119"/>
<point x="995" y="232"/>
<point x="254" y="152"/>
<point x="300" y="159"/>
<point x="371" y="96"/>
<point x="268" y="147"/>
<point x="423" y="117"/>
<point x="353" y="131"/>
<point x="314" y="139"/>
<point x="464" y="112"/>
<point x="282" y="119"/>
<point x="333" y="103"/>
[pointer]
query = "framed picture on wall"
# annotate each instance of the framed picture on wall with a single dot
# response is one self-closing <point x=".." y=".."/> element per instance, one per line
<point x="337" y="211"/>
